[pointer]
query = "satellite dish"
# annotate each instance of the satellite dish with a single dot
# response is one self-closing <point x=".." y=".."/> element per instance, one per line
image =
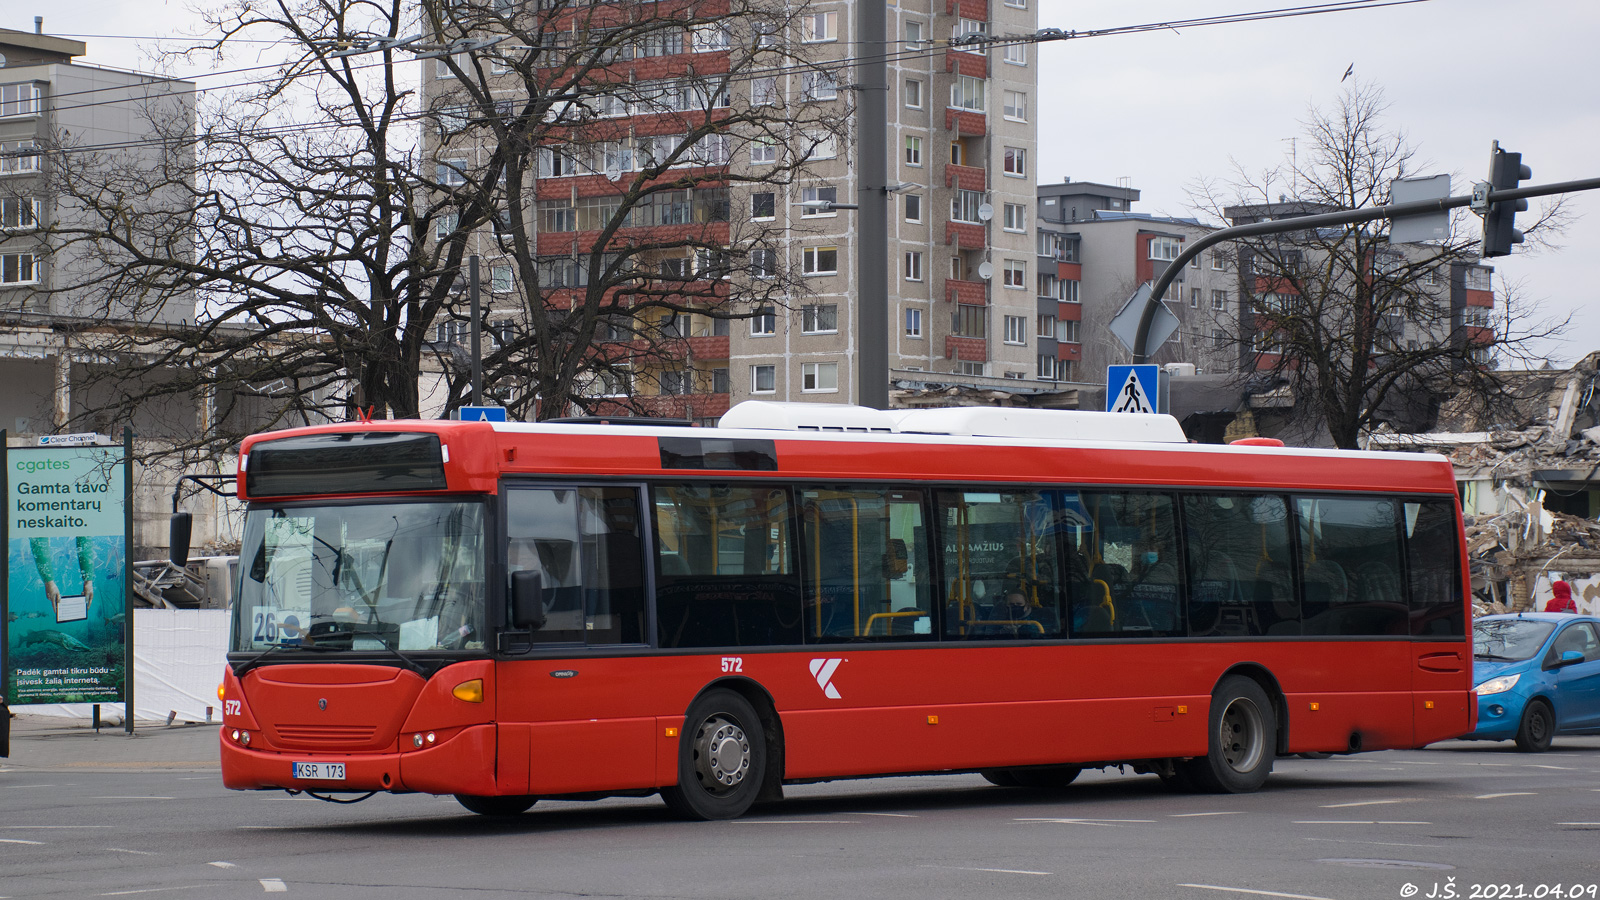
<point x="985" y="212"/>
<point x="986" y="270"/>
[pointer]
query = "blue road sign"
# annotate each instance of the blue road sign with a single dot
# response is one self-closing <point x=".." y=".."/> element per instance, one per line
<point x="483" y="414"/>
<point x="1132" y="389"/>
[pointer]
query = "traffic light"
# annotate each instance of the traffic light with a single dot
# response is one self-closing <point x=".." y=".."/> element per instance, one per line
<point x="1505" y="171"/>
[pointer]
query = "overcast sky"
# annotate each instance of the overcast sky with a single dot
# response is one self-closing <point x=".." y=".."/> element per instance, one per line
<point x="1165" y="108"/>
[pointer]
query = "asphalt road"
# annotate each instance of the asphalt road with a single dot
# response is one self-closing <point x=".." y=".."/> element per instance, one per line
<point x="89" y="816"/>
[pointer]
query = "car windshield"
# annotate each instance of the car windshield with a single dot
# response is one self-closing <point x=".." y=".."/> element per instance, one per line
<point x="1509" y="639"/>
<point x="360" y="577"/>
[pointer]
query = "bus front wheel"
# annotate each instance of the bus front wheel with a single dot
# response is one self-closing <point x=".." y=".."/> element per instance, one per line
<point x="508" y="805"/>
<point x="1243" y="740"/>
<point x="722" y="758"/>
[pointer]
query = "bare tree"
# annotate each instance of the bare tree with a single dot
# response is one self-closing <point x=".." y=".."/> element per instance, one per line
<point x="1366" y="331"/>
<point x="319" y="220"/>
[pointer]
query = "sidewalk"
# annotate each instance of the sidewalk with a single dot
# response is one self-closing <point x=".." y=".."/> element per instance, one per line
<point x="47" y="743"/>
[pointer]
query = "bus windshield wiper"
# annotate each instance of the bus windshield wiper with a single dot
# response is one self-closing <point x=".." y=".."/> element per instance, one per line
<point x="410" y="663"/>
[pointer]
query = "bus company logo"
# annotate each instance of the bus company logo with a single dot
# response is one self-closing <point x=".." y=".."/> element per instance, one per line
<point x="823" y="669"/>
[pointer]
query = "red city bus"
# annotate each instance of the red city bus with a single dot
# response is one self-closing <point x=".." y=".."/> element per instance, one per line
<point x="505" y="612"/>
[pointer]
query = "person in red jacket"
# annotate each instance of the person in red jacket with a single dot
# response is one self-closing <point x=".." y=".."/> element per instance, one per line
<point x="1562" y="601"/>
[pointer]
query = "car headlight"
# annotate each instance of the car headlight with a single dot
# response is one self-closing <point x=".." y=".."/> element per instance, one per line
<point x="1497" y="685"/>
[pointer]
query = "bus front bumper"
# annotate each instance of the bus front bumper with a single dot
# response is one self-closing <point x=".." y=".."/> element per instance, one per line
<point x="461" y="762"/>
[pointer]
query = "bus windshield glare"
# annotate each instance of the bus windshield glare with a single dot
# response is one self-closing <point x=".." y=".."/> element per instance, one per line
<point x="383" y="576"/>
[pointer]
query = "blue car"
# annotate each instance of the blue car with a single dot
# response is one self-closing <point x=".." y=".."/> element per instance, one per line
<point x="1536" y="675"/>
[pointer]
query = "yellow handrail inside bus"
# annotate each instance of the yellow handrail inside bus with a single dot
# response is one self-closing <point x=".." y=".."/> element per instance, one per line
<point x="890" y="616"/>
<point x="1038" y="625"/>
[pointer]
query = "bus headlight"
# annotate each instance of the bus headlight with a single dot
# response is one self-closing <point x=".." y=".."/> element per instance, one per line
<point x="1497" y="685"/>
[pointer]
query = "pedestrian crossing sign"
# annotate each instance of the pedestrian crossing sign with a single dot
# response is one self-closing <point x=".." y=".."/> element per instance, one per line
<point x="1132" y="389"/>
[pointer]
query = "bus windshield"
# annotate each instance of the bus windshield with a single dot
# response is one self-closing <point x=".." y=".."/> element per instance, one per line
<point x="378" y="576"/>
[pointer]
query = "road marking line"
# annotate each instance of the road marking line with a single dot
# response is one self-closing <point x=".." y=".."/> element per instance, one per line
<point x="1578" y="823"/>
<point x="1214" y="887"/>
<point x="1001" y="871"/>
<point x="18" y="841"/>
<point x="1540" y="766"/>
<point x="1364" y="803"/>
<point x="23" y="787"/>
<point x="133" y="798"/>
<point x="1104" y="823"/>
<point x="892" y="815"/>
<point x="274" y="885"/>
<point x="185" y="887"/>
<point x="1506" y="794"/>
<point x="794" y="822"/>
<point x="222" y="865"/>
<point x="1191" y="815"/>
<point x="1354" y="822"/>
<point x="138" y="852"/>
<point x="57" y="826"/>
<point x="1377" y="843"/>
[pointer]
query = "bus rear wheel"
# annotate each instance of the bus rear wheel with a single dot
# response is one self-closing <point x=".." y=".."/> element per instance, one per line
<point x="1243" y="740"/>
<point x="508" y="805"/>
<point x="722" y="758"/>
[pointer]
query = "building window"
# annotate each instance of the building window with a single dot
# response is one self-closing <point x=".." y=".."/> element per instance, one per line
<point x="763" y="379"/>
<point x="1016" y="106"/>
<point x="819" y="27"/>
<point x="1016" y="330"/>
<point x="719" y="380"/>
<point x="913" y="151"/>
<point x="1015" y="54"/>
<point x="819" y="261"/>
<point x="1430" y="278"/>
<point x="1047" y="367"/>
<point x="974" y="368"/>
<point x="914" y="208"/>
<point x="763" y="264"/>
<point x="913" y="93"/>
<point x="913" y="323"/>
<point x="15" y="158"/>
<point x="1194" y="298"/>
<point x="818" y="195"/>
<point x="968" y="28"/>
<point x="821" y="146"/>
<point x="19" y="268"/>
<point x="19" y="99"/>
<point x="913" y="265"/>
<point x="677" y="382"/>
<point x="970" y="321"/>
<point x="913" y="35"/>
<point x="819" y="318"/>
<point x="452" y="172"/>
<point x="500" y="279"/>
<point x="819" y="378"/>
<point x="1219" y="299"/>
<point x="710" y="37"/>
<point x="764" y="91"/>
<point x="1164" y="248"/>
<point x="22" y="213"/>
<point x="1216" y="260"/>
<point x="1069" y="291"/>
<point x="1015" y="217"/>
<point x="763" y="151"/>
<point x="1219" y="338"/>
<point x="1476" y="279"/>
<point x="1017" y="4"/>
<point x="1015" y="274"/>
<point x="967" y="93"/>
<point x="763" y="205"/>
<point x="818" y="86"/>
<point x="1016" y="162"/>
<point x="1068" y="330"/>
<point x="964" y="206"/>
<point x="764" y="323"/>
<point x="1066" y="370"/>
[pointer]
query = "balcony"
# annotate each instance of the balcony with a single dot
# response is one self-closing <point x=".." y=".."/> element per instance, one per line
<point x="965" y="235"/>
<point x="962" y="62"/>
<point x="977" y="10"/>
<point x="972" y="293"/>
<point x="715" y="347"/>
<point x="1072" y="352"/>
<point x="967" y="178"/>
<point x="966" y="349"/>
<point x="965" y="122"/>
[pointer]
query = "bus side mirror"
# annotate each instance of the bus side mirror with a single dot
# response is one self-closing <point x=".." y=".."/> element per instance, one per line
<point x="527" y="600"/>
<point x="180" y="529"/>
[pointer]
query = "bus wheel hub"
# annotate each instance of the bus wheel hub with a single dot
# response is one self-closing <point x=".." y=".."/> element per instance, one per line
<point x="727" y="753"/>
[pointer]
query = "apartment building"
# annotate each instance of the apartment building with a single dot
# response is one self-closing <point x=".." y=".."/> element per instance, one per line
<point x="960" y="136"/>
<point x="52" y="108"/>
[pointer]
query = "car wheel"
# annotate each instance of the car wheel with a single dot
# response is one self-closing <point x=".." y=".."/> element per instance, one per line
<point x="1242" y="746"/>
<point x="1538" y="728"/>
<point x="722" y="759"/>
<point x="509" y="805"/>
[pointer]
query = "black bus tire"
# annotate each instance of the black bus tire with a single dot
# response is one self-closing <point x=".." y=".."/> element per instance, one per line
<point x="1047" y="778"/>
<point x="722" y="758"/>
<point x="508" y="805"/>
<point x="1242" y="739"/>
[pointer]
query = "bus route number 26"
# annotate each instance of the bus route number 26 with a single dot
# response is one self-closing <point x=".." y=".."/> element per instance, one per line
<point x="733" y="664"/>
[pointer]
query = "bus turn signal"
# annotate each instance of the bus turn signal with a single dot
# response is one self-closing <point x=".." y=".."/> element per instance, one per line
<point x="470" y="691"/>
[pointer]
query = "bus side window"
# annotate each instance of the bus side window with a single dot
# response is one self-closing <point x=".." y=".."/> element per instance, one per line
<point x="1433" y="563"/>
<point x="865" y="558"/>
<point x="1001" y="564"/>
<point x="1135" y="586"/>
<point x="586" y="543"/>
<point x="1240" y="581"/>
<point x="724" y="566"/>
<point x="1350" y="564"/>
